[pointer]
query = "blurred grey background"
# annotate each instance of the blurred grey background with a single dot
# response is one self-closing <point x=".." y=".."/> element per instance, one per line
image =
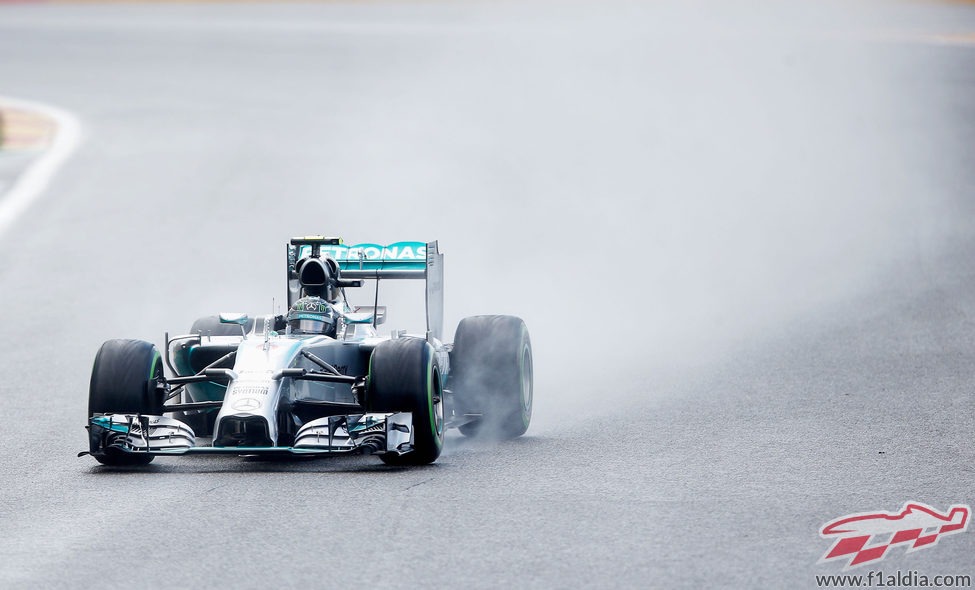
<point x="740" y="233"/>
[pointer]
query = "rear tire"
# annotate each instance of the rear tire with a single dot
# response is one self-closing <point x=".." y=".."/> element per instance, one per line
<point x="123" y="381"/>
<point x="491" y="374"/>
<point x="404" y="376"/>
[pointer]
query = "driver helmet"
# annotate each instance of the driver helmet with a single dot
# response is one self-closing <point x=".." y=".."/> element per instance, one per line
<point x="311" y="315"/>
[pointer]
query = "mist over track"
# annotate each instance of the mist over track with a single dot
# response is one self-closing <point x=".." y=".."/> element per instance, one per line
<point x="741" y="234"/>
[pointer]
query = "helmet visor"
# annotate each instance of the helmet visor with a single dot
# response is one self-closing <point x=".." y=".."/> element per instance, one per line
<point x="310" y="325"/>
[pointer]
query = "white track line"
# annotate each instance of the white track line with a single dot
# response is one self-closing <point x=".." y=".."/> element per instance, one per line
<point x="32" y="181"/>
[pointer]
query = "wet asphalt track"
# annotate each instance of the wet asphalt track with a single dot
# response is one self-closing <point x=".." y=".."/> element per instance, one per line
<point x="742" y="236"/>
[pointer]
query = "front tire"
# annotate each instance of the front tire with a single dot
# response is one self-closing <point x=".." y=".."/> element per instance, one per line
<point x="123" y="381"/>
<point x="404" y="376"/>
<point x="491" y="374"/>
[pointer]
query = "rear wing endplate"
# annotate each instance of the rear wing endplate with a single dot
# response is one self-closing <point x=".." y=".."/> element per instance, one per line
<point x="401" y="260"/>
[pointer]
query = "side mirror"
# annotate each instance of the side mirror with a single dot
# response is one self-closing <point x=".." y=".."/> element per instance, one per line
<point x="233" y="318"/>
<point x="365" y="314"/>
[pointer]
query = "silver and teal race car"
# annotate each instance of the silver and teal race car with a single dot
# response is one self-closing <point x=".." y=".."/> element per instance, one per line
<point x="319" y="380"/>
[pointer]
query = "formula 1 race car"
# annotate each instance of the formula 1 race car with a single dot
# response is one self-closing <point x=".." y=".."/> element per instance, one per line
<point x="319" y="380"/>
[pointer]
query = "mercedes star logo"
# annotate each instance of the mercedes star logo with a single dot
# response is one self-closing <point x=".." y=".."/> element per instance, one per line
<point x="246" y="404"/>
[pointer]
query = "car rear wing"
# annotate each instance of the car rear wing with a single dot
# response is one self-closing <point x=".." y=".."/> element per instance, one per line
<point x="401" y="260"/>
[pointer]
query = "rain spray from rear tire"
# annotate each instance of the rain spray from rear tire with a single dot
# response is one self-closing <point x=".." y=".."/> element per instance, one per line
<point x="491" y="372"/>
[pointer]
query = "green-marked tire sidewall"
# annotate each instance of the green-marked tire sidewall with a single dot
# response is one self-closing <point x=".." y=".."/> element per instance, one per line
<point x="123" y="381"/>
<point x="404" y="377"/>
<point x="431" y="383"/>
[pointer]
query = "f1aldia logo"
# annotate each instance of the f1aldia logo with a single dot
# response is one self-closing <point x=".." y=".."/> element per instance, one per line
<point x="865" y="537"/>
